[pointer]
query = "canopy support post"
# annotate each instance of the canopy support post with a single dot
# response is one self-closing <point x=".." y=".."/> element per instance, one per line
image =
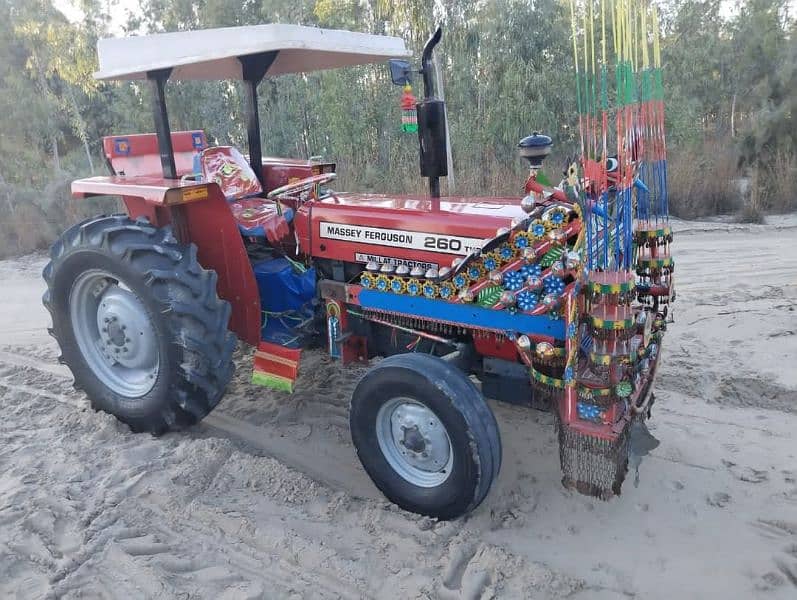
<point x="157" y="80"/>
<point x="254" y="68"/>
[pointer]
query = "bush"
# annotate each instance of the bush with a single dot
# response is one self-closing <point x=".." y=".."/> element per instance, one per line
<point x="704" y="180"/>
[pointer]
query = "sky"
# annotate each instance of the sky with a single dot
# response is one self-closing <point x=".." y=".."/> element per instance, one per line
<point x="121" y="9"/>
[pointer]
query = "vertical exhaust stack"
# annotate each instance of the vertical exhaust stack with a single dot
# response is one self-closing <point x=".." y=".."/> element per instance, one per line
<point x="432" y="134"/>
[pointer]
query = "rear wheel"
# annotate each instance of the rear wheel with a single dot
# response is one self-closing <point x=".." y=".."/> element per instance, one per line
<point x="139" y="322"/>
<point x="425" y="435"/>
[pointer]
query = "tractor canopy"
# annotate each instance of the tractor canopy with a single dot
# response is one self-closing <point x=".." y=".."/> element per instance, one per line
<point x="216" y="54"/>
<point x="247" y="53"/>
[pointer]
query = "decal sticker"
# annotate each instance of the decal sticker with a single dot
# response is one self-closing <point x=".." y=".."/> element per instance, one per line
<point x="121" y="146"/>
<point x="398" y="238"/>
<point x="198" y="140"/>
<point x="195" y="193"/>
<point x="365" y="258"/>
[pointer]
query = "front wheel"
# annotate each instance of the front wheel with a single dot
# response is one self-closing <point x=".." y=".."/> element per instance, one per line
<point x="425" y="435"/>
<point x="139" y="322"/>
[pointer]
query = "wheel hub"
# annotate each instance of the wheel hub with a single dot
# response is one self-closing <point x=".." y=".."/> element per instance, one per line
<point x="414" y="441"/>
<point x="125" y="331"/>
<point x="114" y="333"/>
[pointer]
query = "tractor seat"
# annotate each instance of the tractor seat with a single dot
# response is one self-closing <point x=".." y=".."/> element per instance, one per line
<point x="256" y="216"/>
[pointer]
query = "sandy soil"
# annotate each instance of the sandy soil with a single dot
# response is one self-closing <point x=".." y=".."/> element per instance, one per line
<point x="265" y="499"/>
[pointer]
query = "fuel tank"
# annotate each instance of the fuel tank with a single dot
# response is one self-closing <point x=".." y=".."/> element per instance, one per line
<point x="410" y="230"/>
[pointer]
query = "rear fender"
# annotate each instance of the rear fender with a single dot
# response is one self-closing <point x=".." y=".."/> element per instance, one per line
<point x="198" y="215"/>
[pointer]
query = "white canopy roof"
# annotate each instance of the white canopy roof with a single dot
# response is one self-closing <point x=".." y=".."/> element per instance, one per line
<point x="212" y="54"/>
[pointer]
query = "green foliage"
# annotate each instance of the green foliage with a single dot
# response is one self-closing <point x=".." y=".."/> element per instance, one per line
<point x="507" y="66"/>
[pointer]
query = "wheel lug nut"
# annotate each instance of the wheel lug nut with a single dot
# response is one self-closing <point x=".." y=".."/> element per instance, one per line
<point x="107" y="320"/>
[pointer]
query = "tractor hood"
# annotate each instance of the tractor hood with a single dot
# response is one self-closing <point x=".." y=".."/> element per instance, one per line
<point x="411" y="230"/>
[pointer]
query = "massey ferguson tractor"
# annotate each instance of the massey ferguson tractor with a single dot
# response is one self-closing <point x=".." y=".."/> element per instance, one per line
<point x="555" y="299"/>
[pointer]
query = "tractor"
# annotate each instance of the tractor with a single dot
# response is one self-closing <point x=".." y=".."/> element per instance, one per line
<point x="461" y="298"/>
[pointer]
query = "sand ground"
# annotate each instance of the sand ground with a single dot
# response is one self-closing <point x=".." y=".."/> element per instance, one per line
<point x="265" y="499"/>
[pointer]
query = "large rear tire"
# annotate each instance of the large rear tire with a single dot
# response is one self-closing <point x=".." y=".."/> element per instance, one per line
<point x="425" y="435"/>
<point x="139" y="322"/>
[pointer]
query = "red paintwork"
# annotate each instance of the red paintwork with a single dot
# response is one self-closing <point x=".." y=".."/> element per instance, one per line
<point x="227" y="167"/>
<point x="491" y="345"/>
<point x="467" y="217"/>
<point x="138" y="154"/>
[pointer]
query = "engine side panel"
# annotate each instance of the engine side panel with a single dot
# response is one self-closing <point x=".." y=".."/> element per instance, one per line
<point x="402" y="230"/>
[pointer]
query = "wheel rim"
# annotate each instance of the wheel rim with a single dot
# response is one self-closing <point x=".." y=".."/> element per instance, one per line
<point x="414" y="442"/>
<point x="114" y="333"/>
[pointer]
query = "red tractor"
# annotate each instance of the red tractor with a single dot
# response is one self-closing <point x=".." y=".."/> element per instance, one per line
<point x="217" y="247"/>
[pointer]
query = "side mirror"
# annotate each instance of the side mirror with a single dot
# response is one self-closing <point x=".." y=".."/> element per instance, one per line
<point x="400" y="71"/>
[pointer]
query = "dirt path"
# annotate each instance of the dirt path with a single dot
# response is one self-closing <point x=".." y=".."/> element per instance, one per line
<point x="266" y="498"/>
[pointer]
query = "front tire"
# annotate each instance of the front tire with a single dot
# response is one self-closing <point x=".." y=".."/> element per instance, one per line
<point x="139" y="322"/>
<point x="425" y="435"/>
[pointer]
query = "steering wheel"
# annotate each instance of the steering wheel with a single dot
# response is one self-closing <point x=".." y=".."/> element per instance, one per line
<point x="302" y="185"/>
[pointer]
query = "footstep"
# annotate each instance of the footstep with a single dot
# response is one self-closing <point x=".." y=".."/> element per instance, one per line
<point x="719" y="499"/>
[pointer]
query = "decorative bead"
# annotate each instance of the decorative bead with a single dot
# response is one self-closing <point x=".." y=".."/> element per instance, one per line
<point x="528" y="203"/>
<point x="496" y="277"/>
<point x="572" y="260"/>
<point x="431" y="274"/>
<point x="367" y="281"/>
<point x="507" y="298"/>
<point x="558" y="269"/>
<point x="417" y="271"/>
<point x="544" y="349"/>
<point x="402" y="270"/>
<point x="501" y="231"/>
<point x="387" y="268"/>
<point x="466" y="295"/>
<point x="549" y="300"/>
<point x="523" y="342"/>
<point x="444" y="271"/>
<point x="372" y="266"/>
<point x="534" y="283"/>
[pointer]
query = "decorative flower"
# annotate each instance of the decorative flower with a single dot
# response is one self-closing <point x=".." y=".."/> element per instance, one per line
<point x="460" y="280"/>
<point x="475" y="272"/>
<point x="382" y="283"/>
<point x="491" y="261"/>
<point x="571" y="330"/>
<point x="413" y="287"/>
<point x="568" y="374"/>
<point x="429" y="290"/>
<point x="366" y="281"/>
<point x="505" y="252"/>
<point x="554" y="285"/>
<point x="537" y="229"/>
<point x="397" y="285"/>
<point x="513" y="280"/>
<point x="446" y="290"/>
<point x="526" y="300"/>
<point x="533" y="270"/>
<point x="521" y="240"/>
<point x="589" y="412"/>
